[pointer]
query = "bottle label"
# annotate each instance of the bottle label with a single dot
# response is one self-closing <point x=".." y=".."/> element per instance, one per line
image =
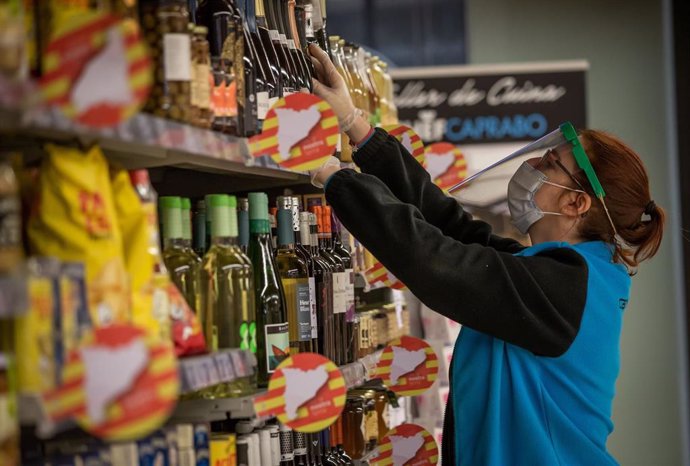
<point x="291" y="44"/>
<point x="272" y="101"/>
<point x="274" y="35"/>
<point x="248" y="336"/>
<point x="340" y="280"/>
<point x="303" y="306"/>
<point x="218" y="95"/>
<point x="203" y="89"/>
<point x="287" y="456"/>
<point x="339" y="143"/>
<point x="350" y="296"/>
<point x="277" y="344"/>
<point x="312" y="306"/>
<point x="263" y="104"/>
<point x="177" y="57"/>
<point x="283" y="39"/>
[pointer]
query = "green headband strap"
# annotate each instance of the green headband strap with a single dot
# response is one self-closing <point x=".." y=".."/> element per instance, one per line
<point x="581" y="158"/>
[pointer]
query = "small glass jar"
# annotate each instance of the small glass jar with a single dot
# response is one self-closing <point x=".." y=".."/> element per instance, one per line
<point x="202" y="78"/>
<point x="354" y="426"/>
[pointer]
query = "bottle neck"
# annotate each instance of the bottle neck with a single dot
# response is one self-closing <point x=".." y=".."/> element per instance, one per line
<point x="172" y="224"/>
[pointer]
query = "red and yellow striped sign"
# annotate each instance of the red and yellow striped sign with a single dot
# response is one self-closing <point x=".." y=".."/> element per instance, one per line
<point x="418" y="379"/>
<point x="303" y="154"/>
<point x="378" y="274"/>
<point x="409" y="139"/>
<point x="456" y="171"/>
<point x="313" y="414"/>
<point x="142" y="407"/>
<point x="93" y="37"/>
<point x="427" y="454"/>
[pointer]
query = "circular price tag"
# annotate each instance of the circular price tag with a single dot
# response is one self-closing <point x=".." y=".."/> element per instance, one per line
<point x="409" y="139"/>
<point x="407" y="444"/>
<point x="306" y="392"/>
<point x="97" y="69"/>
<point x="299" y="133"/>
<point x="408" y="366"/>
<point x="121" y="384"/>
<point x="446" y="164"/>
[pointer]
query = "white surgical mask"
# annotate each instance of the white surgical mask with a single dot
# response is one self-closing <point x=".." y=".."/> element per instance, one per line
<point x="524" y="184"/>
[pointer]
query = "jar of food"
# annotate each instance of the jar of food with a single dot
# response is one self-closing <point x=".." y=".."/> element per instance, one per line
<point x="165" y="27"/>
<point x="382" y="406"/>
<point x="354" y="426"/>
<point x="202" y="79"/>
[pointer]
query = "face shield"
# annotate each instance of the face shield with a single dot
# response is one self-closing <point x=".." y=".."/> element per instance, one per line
<point x="488" y="187"/>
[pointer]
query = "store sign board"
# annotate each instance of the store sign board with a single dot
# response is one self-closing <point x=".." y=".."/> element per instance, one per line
<point x="491" y="104"/>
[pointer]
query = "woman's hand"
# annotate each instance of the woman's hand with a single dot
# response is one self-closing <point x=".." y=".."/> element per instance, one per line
<point x="331" y="87"/>
<point x="321" y="174"/>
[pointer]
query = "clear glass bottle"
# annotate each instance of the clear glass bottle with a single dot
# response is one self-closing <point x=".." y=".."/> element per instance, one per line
<point x="183" y="265"/>
<point x="228" y="301"/>
<point x="273" y="338"/>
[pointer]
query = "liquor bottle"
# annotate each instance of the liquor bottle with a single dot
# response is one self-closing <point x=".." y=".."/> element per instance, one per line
<point x="243" y="223"/>
<point x="182" y="263"/>
<point x="273" y="339"/>
<point x="294" y="274"/>
<point x="319" y="24"/>
<point x="282" y="26"/>
<point x="186" y="222"/>
<point x="287" y="8"/>
<point x="269" y="74"/>
<point x="246" y="66"/>
<point x="376" y="74"/>
<point x="359" y="64"/>
<point x="300" y="451"/>
<point x="359" y="88"/>
<point x="290" y="81"/>
<point x="323" y="276"/>
<point x="273" y="221"/>
<point x="340" y="280"/>
<point x="280" y="74"/>
<point x="199" y="228"/>
<point x="331" y="223"/>
<point x="389" y="92"/>
<point x="287" y="449"/>
<point x="228" y="318"/>
<point x="217" y="17"/>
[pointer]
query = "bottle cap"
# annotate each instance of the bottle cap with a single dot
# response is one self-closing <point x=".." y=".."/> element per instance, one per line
<point x="171" y="216"/>
<point x="170" y="202"/>
<point x="217" y="200"/>
<point x="243" y="204"/>
<point x="186" y="203"/>
<point x="286" y="235"/>
<point x="140" y="176"/>
<point x="258" y="206"/>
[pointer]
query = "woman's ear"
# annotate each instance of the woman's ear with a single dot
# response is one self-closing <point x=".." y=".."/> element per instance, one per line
<point x="576" y="204"/>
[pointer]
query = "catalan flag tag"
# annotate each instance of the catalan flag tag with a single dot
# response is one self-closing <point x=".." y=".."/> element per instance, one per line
<point x="408" y="366"/>
<point x="446" y="164"/>
<point x="407" y="444"/>
<point x="410" y="141"/>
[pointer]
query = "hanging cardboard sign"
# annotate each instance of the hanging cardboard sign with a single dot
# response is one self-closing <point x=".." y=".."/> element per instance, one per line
<point x="299" y="133"/>
<point x="408" y="445"/>
<point x="121" y="384"/>
<point x="97" y="69"/>
<point x="446" y="164"/>
<point x="408" y="366"/>
<point x="409" y="139"/>
<point x="306" y="392"/>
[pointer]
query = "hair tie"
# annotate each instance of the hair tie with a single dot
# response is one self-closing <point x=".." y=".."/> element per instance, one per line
<point x="650" y="208"/>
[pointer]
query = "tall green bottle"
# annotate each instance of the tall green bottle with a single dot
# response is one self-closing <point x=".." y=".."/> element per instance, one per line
<point x="183" y="265"/>
<point x="228" y="318"/>
<point x="273" y="338"/>
<point x="187" y="222"/>
<point x="294" y="274"/>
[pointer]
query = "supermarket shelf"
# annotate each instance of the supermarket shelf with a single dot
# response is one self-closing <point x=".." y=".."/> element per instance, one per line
<point x="200" y="372"/>
<point x="177" y="151"/>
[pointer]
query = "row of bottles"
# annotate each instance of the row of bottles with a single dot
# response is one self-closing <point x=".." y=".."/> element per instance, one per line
<point x="275" y="293"/>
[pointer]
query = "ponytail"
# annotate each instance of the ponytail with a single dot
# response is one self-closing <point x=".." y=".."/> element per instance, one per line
<point x="639" y="221"/>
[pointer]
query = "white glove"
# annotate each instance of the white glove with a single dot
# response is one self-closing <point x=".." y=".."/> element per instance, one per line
<point x="321" y="174"/>
<point x="331" y="87"/>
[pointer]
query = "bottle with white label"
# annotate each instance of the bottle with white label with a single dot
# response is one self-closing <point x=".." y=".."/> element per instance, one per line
<point x="287" y="15"/>
<point x="290" y="83"/>
<point x="341" y="250"/>
<point x="268" y="72"/>
<point x="273" y="338"/>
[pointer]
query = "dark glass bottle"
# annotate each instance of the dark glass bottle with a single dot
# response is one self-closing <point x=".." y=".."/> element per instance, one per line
<point x="287" y="22"/>
<point x="281" y="45"/>
<point x="319" y="24"/>
<point x="273" y="339"/>
<point x="339" y="280"/>
<point x="280" y="73"/>
<point x="243" y="223"/>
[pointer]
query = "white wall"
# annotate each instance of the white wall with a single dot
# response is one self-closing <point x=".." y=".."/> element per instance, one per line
<point x="623" y="42"/>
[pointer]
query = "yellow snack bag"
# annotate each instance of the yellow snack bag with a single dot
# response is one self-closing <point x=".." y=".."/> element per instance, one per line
<point x="135" y="204"/>
<point x="73" y="218"/>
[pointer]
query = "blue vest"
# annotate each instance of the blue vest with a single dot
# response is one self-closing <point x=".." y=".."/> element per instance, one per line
<point x="514" y="408"/>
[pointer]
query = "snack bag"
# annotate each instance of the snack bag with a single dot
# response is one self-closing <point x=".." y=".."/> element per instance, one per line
<point x="73" y="218"/>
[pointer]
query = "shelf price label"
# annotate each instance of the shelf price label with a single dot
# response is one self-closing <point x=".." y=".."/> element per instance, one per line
<point x="226" y="370"/>
<point x="446" y="164"/>
<point x="306" y="393"/>
<point x="408" y="366"/>
<point x="410" y="140"/>
<point x="300" y="132"/>
<point x="407" y="444"/>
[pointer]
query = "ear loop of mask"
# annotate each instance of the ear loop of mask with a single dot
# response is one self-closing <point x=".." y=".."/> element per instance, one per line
<point x="567" y="188"/>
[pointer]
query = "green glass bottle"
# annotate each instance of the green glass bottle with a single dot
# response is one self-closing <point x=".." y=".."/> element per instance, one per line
<point x="228" y="316"/>
<point x="187" y="222"/>
<point x="273" y="340"/>
<point x="294" y="273"/>
<point x="183" y="265"/>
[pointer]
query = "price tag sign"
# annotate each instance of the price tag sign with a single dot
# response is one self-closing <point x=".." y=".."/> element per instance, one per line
<point x="409" y="139"/>
<point x="306" y="393"/>
<point x="446" y="164"/>
<point x="238" y="363"/>
<point x="407" y="444"/>
<point x="226" y="370"/>
<point x="408" y="366"/>
<point x="300" y="132"/>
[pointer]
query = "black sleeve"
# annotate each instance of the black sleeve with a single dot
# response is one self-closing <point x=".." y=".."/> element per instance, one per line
<point x="533" y="302"/>
<point x="388" y="160"/>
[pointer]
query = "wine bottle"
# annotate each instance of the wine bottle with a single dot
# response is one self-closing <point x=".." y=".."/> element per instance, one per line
<point x="323" y="277"/>
<point x="183" y="265"/>
<point x="287" y="449"/>
<point x="279" y="72"/>
<point x="273" y="338"/>
<point x="290" y="83"/>
<point x="340" y="279"/>
<point x="186" y="222"/>
<point x="288" y="12"/>
<point x="199" y="233"/>
<point x="345" y="256"/>
<point x="243" y="223"/>
<point x="359" y="64"/>
<point x="228" y="302"/>
<point x="269" y="72"/>
<point x="294" y="274"/>
<point x="319" y="24"/>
